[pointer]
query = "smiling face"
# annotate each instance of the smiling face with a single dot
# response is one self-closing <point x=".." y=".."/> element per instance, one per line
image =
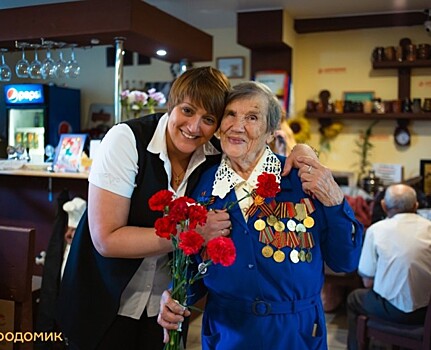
<point x="189" y="126"/>
<point x="244" y="131"/>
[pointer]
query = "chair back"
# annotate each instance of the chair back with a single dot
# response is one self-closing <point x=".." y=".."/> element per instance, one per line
<point x="17" y="254"/>
<point x="416" y="337"/>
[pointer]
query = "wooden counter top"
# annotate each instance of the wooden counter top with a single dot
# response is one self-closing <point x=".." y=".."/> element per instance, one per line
<point x="43" y="173"/>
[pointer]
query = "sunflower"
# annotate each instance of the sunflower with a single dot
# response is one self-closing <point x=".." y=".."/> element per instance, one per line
<point x="300" y="127"/>
<point x="328" y="131"/>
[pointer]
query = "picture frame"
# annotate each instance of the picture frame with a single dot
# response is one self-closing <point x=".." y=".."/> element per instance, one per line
<point x="232" y="67"/>
<point x="276" y="80"/>
<point x="69" y="152"/>
<point x="425" y="172"/>
<point x="358" y="96"/>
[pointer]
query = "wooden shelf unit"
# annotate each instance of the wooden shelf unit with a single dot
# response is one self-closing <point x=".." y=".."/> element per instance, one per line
<point x="383" y="116"/>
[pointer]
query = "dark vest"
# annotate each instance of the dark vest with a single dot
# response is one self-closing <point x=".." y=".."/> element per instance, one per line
<point x="92" y="284"/>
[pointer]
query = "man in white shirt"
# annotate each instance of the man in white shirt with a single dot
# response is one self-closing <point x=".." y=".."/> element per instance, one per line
<point x="395" y="265"/>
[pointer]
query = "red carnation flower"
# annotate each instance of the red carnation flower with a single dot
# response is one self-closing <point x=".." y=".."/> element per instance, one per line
<point x="165" y="227"/>
<point x="267" y="186"/>
<point x="179" y="208"/>
<point x="221" y="250"/>
<point x="197" y="215"/>
<point x="160" y="200"/>
<point x="190" y="242"/>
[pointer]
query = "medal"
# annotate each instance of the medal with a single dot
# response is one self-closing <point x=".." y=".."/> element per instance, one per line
<point x="300" y="228"/>
<point x="291" y="225"/>
<point x="301" y="211"/>
<point x="271" y="220"/>
<point x="294" y="256"/>
<point x="308" y="204"/>
<point x="258" y="200"/>
<point x="267" y="251"/>
<point x="308" y="222"/>
<point x="302" y="255"/>
<point x="266" y="235"/>
<point x="259" y="225"/>
<point x="309" y="257"/>
<point x="279" y="256"/>
<point x="279" y="226"/>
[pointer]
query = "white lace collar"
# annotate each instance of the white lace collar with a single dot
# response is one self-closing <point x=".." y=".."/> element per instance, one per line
<point x="226" y="178"/>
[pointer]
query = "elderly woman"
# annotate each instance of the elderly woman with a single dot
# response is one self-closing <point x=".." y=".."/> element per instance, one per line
<point x="270" y="297"/>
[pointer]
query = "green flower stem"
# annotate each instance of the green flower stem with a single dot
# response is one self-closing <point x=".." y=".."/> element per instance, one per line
<point x="231" y="205"/>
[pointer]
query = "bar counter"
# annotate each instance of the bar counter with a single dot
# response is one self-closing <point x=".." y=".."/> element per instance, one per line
<point x="28" y="198"/>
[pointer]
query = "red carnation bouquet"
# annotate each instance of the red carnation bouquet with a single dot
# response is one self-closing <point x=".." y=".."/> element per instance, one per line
<point x="181" y="217"/>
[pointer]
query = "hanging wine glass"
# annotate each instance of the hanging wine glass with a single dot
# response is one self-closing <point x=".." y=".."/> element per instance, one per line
<point x="21" y="67"/>
<point x="61" y="64"/>
<point x="5" y="72"/>
<point x="34" y="70"/>
<point x="73" y="69"/>
<point x="48" y="65"/>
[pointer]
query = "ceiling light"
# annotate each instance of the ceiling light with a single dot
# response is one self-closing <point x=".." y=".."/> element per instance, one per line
<point x="161" y="52"/>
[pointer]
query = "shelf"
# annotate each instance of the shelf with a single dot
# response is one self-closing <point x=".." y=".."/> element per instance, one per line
<point x="385" y="116"/>
<point x="403" y="64"/>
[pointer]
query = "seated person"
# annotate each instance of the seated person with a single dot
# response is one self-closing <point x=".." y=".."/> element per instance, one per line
<point x="394" y="265"/>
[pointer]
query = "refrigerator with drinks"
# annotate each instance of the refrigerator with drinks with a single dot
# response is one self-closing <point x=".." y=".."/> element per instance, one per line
<point x="35" y="115"/>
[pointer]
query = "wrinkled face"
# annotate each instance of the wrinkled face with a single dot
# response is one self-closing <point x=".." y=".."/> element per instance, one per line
<point x="243" y="132"/>
<point x="189" y="126"/>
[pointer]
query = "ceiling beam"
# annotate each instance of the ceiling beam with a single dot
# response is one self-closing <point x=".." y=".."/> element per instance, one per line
<point x="303" y="26"/>
<point x="144" y="27"/>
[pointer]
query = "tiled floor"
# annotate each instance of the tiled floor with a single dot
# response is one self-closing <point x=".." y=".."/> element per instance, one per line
<point x="336" y="324"/>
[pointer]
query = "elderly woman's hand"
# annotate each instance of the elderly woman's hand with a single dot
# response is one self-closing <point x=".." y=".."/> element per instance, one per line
<point x="218" y="224"/>
<point x="171" y="314"/>
<point x="317" y="181"/>
<point x="300" y="149"/>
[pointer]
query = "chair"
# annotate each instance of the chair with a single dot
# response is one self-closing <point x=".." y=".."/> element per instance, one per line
<point x="16" y="271"/>
<point x="416" y="337"/>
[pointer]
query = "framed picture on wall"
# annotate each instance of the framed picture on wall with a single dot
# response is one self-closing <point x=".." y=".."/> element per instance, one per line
<point x="232" y="67"/>
<point x="426" y="176"/>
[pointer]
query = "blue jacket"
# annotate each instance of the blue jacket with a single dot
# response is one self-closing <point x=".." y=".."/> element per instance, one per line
<point x="258" y="303"/>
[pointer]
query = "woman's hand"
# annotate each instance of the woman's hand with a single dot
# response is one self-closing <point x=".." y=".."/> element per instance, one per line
<point x="218" y="224"/>
<point x="317" y="181"/>
<point x="300" y="150"/>
<point x="171" y="314"/>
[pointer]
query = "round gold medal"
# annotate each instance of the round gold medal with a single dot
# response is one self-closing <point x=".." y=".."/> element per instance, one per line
<point x="279" y="256"/>
<point x="259" y="224"/>
<point x="267" y="251"/>
<point x="279" y="226"/>
<point x="308" y="222"/>
<point x="309" y="257"/>
<point x="302" y="255"/>
<point x="271" y="220"/>
<point x="294" y="256"/>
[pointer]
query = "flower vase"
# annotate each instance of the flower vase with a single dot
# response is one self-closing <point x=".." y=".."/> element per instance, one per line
<point x="151" y="110"/>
